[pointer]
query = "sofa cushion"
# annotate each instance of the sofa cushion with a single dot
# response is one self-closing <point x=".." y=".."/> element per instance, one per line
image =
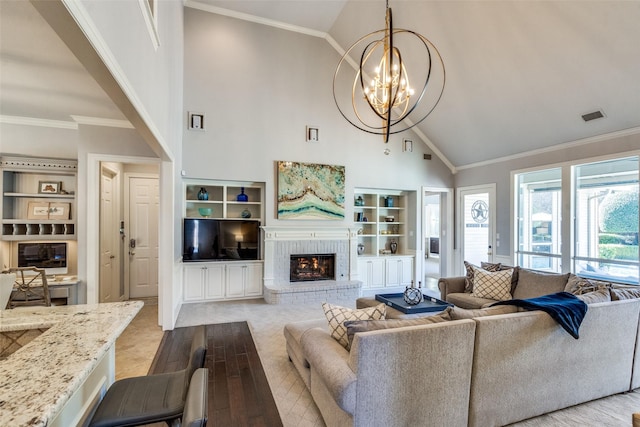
<point x="496" y="285"/>
<point x="355" y="326"/>
<point x="580" y="285"/>
<point x="601" y="295"/>
<point x="458" y="313"/>
<point x="466" y="300"/>
<point x="336" y="316"/>
<point x="468" y="280"/>
<point x="533" y="284"/>
<point x="618" y="294"/>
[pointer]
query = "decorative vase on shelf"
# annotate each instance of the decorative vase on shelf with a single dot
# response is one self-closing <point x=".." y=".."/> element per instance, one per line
<point x="412" y="295"/>
<point x="245" y="213"/>
<point x="393" y="246"/>
<point x="360" y="248"/>
<point x="203" y="194"/>
<point x="359" y="201"/>
<point x="388" y="202"/>
<point x="242" y="197"/>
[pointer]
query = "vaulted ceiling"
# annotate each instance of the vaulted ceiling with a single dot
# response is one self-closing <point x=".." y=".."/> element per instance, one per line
<point x="520" y="74"/>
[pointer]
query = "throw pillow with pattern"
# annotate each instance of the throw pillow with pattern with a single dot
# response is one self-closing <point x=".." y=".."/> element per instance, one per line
<point x="580" y="285"/>
<point x="336" y="316"/>
<point x="468" y="280"/>
<point x="492" y="285"/>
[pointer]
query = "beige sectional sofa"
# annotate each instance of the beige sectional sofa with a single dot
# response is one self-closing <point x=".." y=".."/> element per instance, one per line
<point x="476" y="370"/>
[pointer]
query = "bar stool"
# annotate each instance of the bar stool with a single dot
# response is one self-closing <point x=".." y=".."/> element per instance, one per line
<point x="195" y="409"/>
<point x="151" y="398"/>
<point x="31" y="289"/>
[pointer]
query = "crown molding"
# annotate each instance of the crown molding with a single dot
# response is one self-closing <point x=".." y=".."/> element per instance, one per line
<point x="557" y="147"/>
<point x="32" y="121"/>
<point x="252" y="18"/>
<point x="99" y="121"/>
<point x="62" y="124"/>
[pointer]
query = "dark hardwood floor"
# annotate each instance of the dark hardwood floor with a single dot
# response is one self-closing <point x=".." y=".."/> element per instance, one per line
<point x="239" y="394"/>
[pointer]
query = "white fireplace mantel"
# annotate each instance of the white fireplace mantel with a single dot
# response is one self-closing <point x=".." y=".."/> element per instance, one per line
<point x="283" y="240"/>
<point x="285" y="232"/>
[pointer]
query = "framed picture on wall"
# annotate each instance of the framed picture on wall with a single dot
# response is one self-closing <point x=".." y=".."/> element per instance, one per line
<point x="310" y="191"/>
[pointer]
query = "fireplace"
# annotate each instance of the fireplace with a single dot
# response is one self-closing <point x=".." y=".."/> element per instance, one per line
<point x="284" y="244"/>
<point x="312" y="267"/>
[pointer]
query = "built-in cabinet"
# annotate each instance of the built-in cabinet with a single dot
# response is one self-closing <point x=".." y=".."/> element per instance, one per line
<point x="223" y="200"/>
<point x="223" y="280"/>
<point x="210" y="281"/>
<point x="380" y="216"/>
<point x="381" y="220"/>
<point x="38" y="199"/>
<point x="385" y="271"/>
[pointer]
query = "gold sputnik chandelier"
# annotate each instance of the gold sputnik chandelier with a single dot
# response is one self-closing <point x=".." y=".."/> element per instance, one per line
<point x="382" y="83"/>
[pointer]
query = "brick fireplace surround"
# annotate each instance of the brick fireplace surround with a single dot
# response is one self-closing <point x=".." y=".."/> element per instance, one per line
<point x="280" y="242"/>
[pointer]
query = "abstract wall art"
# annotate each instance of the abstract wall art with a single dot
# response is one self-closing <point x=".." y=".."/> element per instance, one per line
<point x="310" y="191"/>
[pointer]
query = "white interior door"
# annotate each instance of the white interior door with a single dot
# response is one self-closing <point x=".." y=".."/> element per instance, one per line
<point x="476" y="215"/>
<point x="111" y="288"/>
<point x="143" y="198"/>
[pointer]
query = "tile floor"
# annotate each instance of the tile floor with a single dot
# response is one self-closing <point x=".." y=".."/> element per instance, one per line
<point x="137" y="346"/>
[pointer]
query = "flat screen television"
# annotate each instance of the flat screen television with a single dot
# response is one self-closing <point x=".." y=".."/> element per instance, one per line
<point x="52" y="256"/>
<point x="206" y="239"/>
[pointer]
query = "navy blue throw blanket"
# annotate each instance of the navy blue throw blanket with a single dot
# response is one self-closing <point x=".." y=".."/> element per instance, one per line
<point x="565" y="308"/>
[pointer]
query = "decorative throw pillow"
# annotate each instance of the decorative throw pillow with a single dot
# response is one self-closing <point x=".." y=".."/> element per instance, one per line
<point x="601" y="295"/>
<point x="496" y="285"/>
<point x="458" y="313"/>
<point x="533" y="283"/>
<point x="624" y="293"/>
<point x="580" y="285"/>
<point x="355" y="326"/>
<point x="336" y="316"/>
<point x="468" y="280"/>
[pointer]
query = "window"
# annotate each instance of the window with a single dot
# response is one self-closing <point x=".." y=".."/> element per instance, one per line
<point x="606" y="220"/>
<point x="601" y="222"/>
<point x="539" y="200"/>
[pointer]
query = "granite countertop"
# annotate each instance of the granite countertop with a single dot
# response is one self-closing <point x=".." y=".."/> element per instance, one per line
<point x="38" y="379"/>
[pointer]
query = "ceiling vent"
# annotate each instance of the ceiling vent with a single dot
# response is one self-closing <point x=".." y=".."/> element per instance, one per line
<point x="593" y="116"/>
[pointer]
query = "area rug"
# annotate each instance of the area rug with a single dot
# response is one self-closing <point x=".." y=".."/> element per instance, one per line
<point x="239" y="394"/>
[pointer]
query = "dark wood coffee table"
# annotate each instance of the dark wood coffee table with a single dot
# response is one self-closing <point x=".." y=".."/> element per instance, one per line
<point x="428" y="304"/>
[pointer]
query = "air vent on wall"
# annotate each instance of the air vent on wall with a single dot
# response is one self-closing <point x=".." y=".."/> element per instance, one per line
<point x="593" y="115"/>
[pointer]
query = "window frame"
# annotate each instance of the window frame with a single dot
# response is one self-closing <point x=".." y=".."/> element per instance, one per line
<point x="568" y="218"/>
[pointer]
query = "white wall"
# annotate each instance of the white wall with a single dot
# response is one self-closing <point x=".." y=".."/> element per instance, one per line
<point x="259" y="87"/>
<point x="499" y="173"/>
<point x="37" y="141"/>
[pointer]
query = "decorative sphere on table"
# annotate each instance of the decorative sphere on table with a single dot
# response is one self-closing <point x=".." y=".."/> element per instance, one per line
<point x="413" y="295"/>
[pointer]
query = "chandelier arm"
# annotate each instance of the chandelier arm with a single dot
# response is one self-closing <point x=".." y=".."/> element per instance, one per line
<point x="427" y="43"/>
<point x="368" y="51"/>
<point x="389" y="51"/>
<point x="406" y="113"/>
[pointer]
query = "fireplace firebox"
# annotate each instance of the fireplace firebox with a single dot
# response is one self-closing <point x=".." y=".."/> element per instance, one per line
<point x="312" y="267"/>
